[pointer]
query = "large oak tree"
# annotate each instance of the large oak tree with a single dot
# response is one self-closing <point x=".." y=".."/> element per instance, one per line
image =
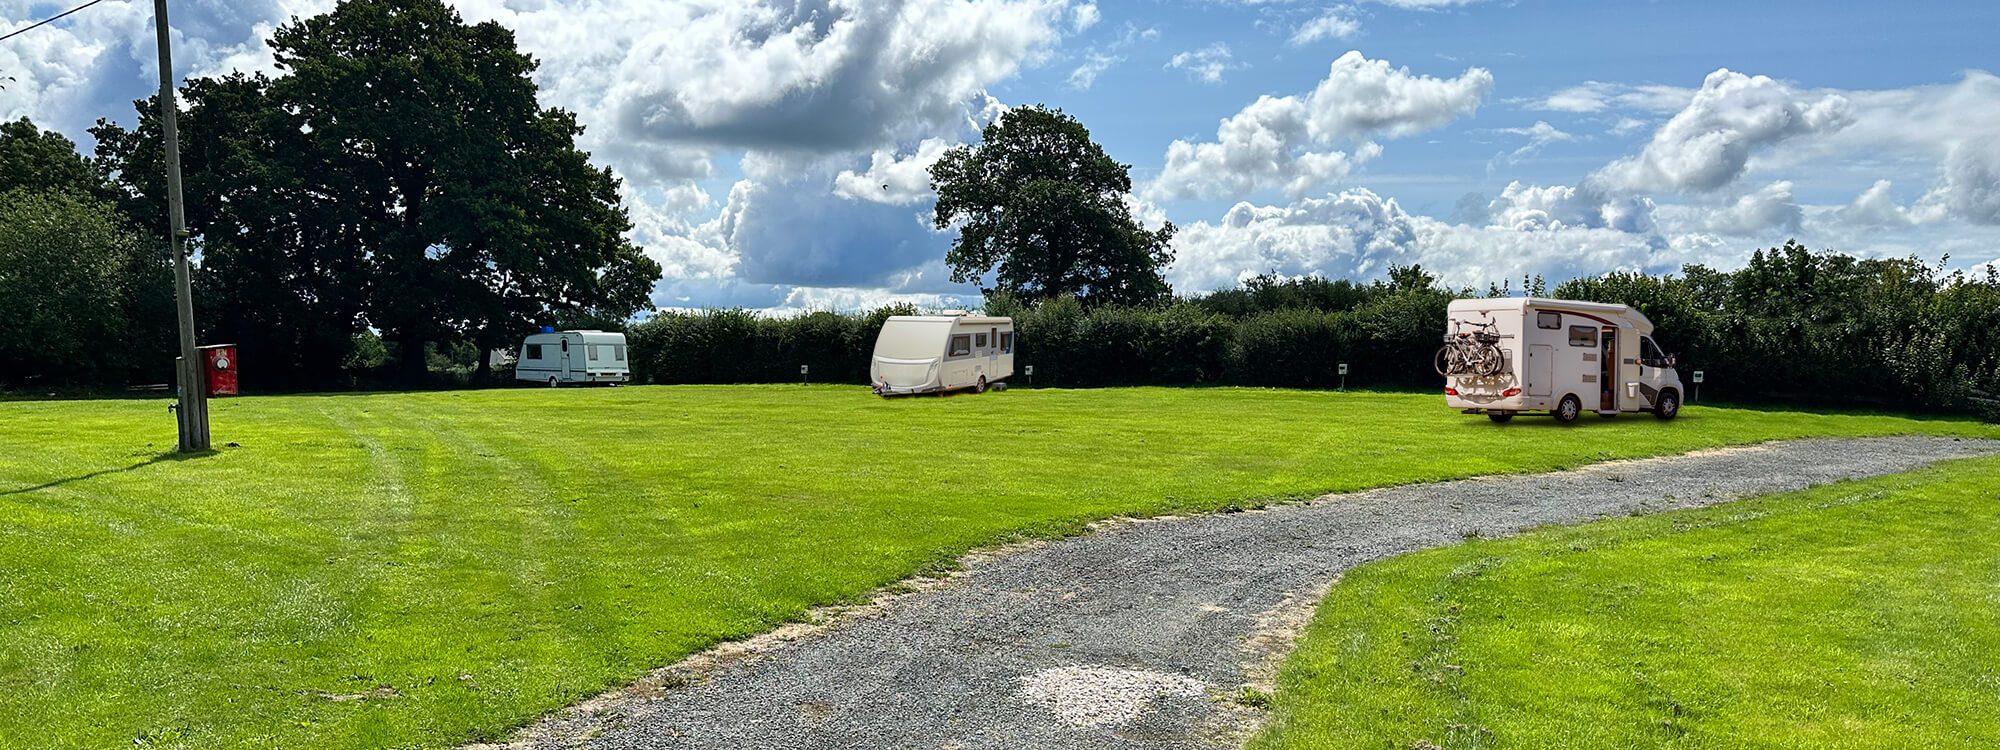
<point x="398" y="174"/>
<point x="1041" y="209"/>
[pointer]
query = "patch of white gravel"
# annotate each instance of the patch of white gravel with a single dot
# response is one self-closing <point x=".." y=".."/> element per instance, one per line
<point x="1103" y="696"/>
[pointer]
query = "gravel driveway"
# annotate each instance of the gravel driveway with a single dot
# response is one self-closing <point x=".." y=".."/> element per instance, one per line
<point x="1134" y="636"/>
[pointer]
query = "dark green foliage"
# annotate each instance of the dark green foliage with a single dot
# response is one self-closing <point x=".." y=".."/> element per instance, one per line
<point x="44" y="162"/>
<point x="62" y="269"/>
<point x="1795" y="325"/>
<point x="399" y="176"/>
<point x="1790" y="326"/>
<point x="1041" y="208"/>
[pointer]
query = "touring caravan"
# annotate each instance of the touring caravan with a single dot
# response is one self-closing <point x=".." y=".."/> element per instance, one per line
<point x="1506" y="356"/>
<point x="573" y="358"/>
<point x="931" y="353"/>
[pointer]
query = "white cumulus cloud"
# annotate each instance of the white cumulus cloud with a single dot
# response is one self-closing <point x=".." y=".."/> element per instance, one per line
<point x="1288" y="141"/>
<point x="1206" y="64"/>
<point x="1335" y="23"/>
<point x="893" y="179"/>
<point x="1708" y="144"/>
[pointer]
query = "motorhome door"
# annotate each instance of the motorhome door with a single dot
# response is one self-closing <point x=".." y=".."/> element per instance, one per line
<point x="1607" y="362"/>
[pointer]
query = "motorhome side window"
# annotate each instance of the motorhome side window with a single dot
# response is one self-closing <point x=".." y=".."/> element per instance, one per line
<point x="1583" y="336"/>
<point x="1552" y="321"/>
<point x="534" y="351"/>
<point x="961" y="345"/>
<point x="1007" y="342"/>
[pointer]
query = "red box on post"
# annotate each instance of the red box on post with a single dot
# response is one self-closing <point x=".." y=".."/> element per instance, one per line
<point x="218" y="364"/>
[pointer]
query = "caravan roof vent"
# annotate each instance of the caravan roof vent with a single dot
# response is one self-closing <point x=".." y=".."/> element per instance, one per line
<point x="954" y="312"/>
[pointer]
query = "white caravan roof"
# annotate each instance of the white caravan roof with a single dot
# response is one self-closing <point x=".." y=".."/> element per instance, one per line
<point x="1622" y="315"/>
<point x="964" y="320"/>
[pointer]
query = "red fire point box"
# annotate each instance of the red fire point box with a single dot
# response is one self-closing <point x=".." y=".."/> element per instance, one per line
<point x="218" y="363"/>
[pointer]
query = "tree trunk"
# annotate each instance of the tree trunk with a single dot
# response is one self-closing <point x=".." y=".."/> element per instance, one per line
<point x="483" y="372"/>
<point x="412" y="368"/>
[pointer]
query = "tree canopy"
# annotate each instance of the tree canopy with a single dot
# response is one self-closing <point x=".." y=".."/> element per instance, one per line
<point x="44" y="161"/>
<point x="1042" y="209"/>
<point x="398" y="175"/>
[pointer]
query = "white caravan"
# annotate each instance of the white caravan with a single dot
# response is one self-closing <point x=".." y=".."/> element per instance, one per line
<point x="1511" y="355"/>
<point x="573" y="358"/>
<point x="930" y="353"/>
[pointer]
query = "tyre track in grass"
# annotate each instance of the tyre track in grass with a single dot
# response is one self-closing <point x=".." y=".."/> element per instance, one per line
<point x="1143" y="633"/>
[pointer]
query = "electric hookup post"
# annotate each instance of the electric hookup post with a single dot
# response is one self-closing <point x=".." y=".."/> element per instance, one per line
<point x="1030" y="372"/>
<point x="1343" y="376"/>
<point x="1696" y="396"/>
<point x="803" y="370"/>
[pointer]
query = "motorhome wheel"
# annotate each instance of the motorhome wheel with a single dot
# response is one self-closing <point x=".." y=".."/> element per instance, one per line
<point x="1669" y="405"/>
<point x="1569" y="409"/>
<point x="1500" y="416"/>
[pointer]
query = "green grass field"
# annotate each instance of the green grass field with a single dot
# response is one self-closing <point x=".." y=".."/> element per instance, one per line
<point x="1856" y="615"/>
<point x="400" y="570"/>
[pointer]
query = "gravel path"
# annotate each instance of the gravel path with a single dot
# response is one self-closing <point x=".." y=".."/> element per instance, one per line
<point x="1134" y="636"/>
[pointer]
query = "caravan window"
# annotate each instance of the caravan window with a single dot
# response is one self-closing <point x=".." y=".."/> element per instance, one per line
<point x="618" y="352"/>
<point x="534" y="351"/>
<point x="1583" y="336"/>
<point x="1007" y="342"/>
<point x="961" y="345"/>
<point x="1551" y="321"/>
<point x="979" y="340"/>
<point x="596" y="351"/>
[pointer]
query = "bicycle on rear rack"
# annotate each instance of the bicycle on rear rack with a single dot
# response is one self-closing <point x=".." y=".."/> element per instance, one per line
<point x="1473" y="352"/>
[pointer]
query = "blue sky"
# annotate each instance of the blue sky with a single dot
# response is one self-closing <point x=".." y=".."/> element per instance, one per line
<point x="774" y="152"/>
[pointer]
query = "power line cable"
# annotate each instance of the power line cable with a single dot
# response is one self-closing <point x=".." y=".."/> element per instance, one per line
<point x="47" y="21"/>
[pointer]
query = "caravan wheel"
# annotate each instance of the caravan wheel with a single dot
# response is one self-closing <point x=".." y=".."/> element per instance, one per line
<point x="554" y="383"/>
<point x="979" y="387"/>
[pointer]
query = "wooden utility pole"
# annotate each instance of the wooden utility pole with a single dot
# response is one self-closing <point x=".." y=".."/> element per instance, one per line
<point x="193" y="408"/>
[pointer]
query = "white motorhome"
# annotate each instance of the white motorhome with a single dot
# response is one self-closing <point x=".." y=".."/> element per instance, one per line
<point x="931" y="353"/>
<point x="1506" y="356"/>
<point x="573" y="358"/>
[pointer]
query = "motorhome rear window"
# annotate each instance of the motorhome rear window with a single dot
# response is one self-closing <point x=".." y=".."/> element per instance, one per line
<point x="1583" y="336"/>
<point x="961" y="345"/>
<point x="534" y="351"/>
<point x="1552" y="321"/>
<point x="1007" y="342"/>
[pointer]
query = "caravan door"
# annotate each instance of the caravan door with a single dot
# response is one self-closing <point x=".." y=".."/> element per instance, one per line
<point x="567" y="374"/>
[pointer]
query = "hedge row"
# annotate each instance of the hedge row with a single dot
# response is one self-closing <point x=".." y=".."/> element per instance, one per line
<point x="1791" y="326"/>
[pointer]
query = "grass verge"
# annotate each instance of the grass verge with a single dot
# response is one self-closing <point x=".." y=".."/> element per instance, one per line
<point x="1859" y="614"/>
<point x="425" y="569"/>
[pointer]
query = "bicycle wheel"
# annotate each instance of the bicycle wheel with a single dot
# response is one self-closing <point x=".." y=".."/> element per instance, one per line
<point x="1442" y="361"/>
<point x="1490" y="360"/>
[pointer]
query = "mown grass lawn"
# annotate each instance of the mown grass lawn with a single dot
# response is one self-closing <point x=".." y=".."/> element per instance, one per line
<point x="1856" y="615"/>
<point x="402" y="570"/>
